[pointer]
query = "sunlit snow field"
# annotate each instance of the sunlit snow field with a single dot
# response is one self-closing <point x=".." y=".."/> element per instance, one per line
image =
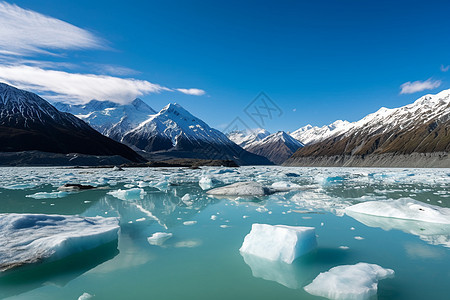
<point x="202" y="260"/>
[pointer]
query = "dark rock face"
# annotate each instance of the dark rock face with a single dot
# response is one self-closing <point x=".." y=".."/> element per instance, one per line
<point x="28" y="122"/>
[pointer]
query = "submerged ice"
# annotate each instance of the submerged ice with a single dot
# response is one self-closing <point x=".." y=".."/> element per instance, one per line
<point x="31" y="238"/>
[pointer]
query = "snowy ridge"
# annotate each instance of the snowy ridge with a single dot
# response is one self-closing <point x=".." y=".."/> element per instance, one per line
<point x="22" y="108"/>
<point x="244" y="139"/>
<point x="277" y="137"/>
<point x="423" y="110"/>
<point x="173" y="122"/>
<point x="276" y="147"/>
<point x="110" y="118"/>
<point x="313" y="134"/>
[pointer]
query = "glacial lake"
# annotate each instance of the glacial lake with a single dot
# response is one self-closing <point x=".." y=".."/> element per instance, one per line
<point x="202" y="260"/>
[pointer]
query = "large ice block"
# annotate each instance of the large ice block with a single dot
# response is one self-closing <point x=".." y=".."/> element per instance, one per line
<point x="279" y="242"/>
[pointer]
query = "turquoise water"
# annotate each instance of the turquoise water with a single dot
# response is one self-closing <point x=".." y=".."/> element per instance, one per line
<point x="202" y="260"/>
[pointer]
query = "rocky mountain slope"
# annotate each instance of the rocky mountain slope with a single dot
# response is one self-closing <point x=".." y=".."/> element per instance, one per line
<point x="28" y="122"/>
<point x="277" y="147"/>
<point x="171" y="133"/>
<point x="418" y="130"/>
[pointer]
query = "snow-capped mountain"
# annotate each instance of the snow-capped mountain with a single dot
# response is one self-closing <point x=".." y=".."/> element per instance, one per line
<point x="420" y="127"/>
<point x="277" y="147"/>
<point x="244" y="139"/>
<point x="28" y="122"/>
<point x="172" y="132"/>
<point x="176" y="131"/>
<point x="313" y="134"/>
<point x="109" y="118"/>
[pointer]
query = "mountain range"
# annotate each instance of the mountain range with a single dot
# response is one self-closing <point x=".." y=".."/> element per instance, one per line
<point x="417" y="134"/>
<point x="29" y="123"/>
<point x="172" y="132"/>
<point x="276" y="147"/>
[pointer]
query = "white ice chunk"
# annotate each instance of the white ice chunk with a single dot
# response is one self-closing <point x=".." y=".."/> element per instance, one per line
<point x="206" y="182"/>
<point x="404" y="208"/>
<point x="20" y="186"/>
<point x="249" y="188"/>
<point x="282" y="186"/>
<point x="349" y="282"/>
<point x="188" y="223"/>
<point x="86" y="296"/>
<point x="30" y="238"/>
<point x="158" y="238"/>
<point x="44" y="195"/>
<point x="131" y="194"/>
<point x="279" y="242"/>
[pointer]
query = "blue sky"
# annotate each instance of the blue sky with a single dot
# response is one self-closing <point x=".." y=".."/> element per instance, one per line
<point x="317" y="60"/>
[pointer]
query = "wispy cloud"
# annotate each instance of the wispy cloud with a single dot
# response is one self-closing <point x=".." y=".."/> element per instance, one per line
<point x="418" y="86"/>
<point x="75" y="87"/>
<point x="24" y="32"/>
<point x="445" y="68"/>
<point x="193" y="92"/>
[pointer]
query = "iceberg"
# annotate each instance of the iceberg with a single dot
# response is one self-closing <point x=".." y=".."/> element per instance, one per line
<point x="432" y="233"/>
<point x="349" y="282"/>
<point x="404" y="208"/>
<point x="249" y="188"/>
<point x="279" y="242"/>
<point x="51" y="195"/>
<point x="31" y="238"/>
<point x="285" y="186"/>
<point x="130" y="194"/>
<point x="158" y="238"/>
<point x="206" y="182"/>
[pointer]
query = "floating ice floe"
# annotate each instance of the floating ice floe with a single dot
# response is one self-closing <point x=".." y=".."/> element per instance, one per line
<point x="31" y="238"/>
<point x="85" y="296"/>
<point x="250" y="188"/>
<point x="188" y="223"/>
<point x="432" y="233"/>
<point x="354" y="282"/>
<point x="404" y="208"/>
<point x="131" y="194"/>
<point x="206" y="183"/>
<point x="282" y="186"/>
<point x="318" y="200"/>
<point x="20" y="186"/>
<point x="158" y="238"/>
<point x="279" y="242"/>
<point x="51" y="195"/>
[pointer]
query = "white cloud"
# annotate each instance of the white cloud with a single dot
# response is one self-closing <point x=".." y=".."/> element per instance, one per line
<point x="444" y="68"/>
<point x="75" y="87"/>
<point x="418" y="86"/>
<point x="193" y="92"/>
<point x="25" y="32"/>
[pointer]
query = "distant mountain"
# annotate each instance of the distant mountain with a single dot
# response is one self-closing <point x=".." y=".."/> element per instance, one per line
<point x="109" y="118"/>
<point x="176" y="132"/>
<point x="313" y="134"/>
<point x="243" y="139"/>
<point x="28" y="122"/>
<point x="277" y="147"/>
<point x="417" y="134"/>
<point x="171" y="133"/>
